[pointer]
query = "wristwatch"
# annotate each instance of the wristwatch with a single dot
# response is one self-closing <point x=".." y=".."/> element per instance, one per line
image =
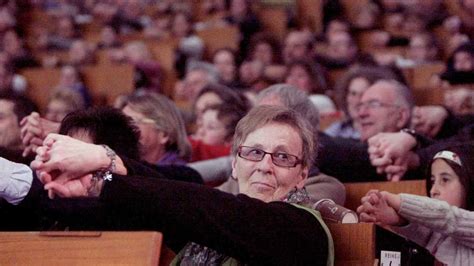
<point x="421" y="141"/>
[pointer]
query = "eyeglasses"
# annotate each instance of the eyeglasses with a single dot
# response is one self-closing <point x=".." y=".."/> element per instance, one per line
<point x="374" y="104"/>
<point x="278" y="158"/>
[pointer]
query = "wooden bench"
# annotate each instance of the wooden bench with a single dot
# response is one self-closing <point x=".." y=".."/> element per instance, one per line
<point x="354" y="244"/>
<point x="82" y="248"/>
<point x="219" y="37"/>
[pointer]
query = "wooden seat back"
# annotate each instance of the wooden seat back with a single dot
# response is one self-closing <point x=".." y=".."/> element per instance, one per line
<point x="105" y="82"/>
<point x="80" y="248"/>
<point x="355" y="191"/>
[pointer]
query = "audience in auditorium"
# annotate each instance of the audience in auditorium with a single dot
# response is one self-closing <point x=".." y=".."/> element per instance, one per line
<point x="375" y="59"/>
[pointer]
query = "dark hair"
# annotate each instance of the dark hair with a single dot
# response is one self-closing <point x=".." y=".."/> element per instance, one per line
<point x="105" y="125"/>
<point x="259" y="38"/>
<point x="315" y="72"/>
<point x="454" y="76"/>
<point x="467" y="47"/>
<point x="465" y="151"/>
<point x="22" y="106"/>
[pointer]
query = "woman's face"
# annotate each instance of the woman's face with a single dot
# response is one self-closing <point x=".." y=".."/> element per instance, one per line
<point x="69" y="76"/>
<point x="463" y="61"/>
<point x="211" y="130"/>
<point x="151" y="138"/>
<point x="263" y="179"/>
<point x="419" y="50"/>
<point x="446" y="184"/>
<point x="224" y="62"/>
<point x="108" y="36"/>
<point x="180" y="26"/>
<point x="57" y="110"/>
<point x="264" y="53"/>
<point x="299" y="78"/>
<point x="354" y="92"/>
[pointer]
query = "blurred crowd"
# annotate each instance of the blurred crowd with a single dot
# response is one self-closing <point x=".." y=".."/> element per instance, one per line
<point x="350" y="74"/>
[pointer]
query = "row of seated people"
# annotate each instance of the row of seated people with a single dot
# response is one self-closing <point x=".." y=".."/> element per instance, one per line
<point x="125" y="202"/>
<point x="341" y="51"/>
<point x="382" y="106"/>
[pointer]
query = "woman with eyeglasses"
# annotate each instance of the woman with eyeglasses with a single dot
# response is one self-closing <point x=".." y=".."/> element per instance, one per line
<point x="163" y="136"/>
<point x="264" y="225"/>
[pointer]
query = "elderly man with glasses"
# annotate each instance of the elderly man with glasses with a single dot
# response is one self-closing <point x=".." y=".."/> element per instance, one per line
<point x="385" y="107"/>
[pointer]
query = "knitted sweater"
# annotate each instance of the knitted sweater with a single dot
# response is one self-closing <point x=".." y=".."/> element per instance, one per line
<point x="446" y="231"/>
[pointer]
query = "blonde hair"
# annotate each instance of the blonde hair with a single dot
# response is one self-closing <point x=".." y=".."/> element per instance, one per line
<point x="166" y="118"/>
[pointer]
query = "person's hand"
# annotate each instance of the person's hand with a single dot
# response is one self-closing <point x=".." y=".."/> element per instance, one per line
<point x="459" y="100"/>
<point x="428" y="120"/>
<point x="62" y="157"/>
<point x="33" y="131"/>
<point x="375" y="208"/>
<point x="390" y="153"/>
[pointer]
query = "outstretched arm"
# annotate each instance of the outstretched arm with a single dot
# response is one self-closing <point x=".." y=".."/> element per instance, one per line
<point x="440" y="217"/>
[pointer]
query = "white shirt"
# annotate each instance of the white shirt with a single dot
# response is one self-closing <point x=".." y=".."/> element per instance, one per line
<point x="15" y="181"/>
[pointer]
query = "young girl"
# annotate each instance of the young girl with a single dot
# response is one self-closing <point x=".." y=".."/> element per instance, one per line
<point x="215" y="130"/>
<point x="444" y="223"/>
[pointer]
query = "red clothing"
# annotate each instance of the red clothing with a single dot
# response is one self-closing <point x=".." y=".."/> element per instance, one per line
<point x="203" y="151"/>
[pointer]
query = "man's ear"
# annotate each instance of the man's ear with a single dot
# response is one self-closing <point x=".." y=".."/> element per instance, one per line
<point x="404" y="118"/>
<point x="303" y="176"/>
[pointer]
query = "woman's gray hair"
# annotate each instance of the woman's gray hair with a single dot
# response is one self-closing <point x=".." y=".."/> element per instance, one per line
<point x="260" y="116"/>
<point x="293" y="98"/>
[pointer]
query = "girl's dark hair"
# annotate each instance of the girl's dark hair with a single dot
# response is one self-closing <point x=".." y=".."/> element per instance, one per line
<point x="465" y="151"/>
<point x="105" y="125"/>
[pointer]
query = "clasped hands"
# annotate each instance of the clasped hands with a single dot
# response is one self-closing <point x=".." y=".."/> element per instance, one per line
<point x="391" y="154"/>
<point x="380" y="207"/>
<point x="65" y="165"/>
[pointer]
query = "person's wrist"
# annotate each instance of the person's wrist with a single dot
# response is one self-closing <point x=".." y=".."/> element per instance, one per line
<point x="106" y="158"/>
<point x="410" y="137"/>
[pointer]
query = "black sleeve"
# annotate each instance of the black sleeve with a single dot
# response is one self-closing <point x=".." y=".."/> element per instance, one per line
<point x="465" y="135"/>
<point x="26" y="215"/>
<point x="453" y="124"/>
<point x="346" y="159"/>
<point x="172" y="172"/>
<point x="241" y="227"/>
